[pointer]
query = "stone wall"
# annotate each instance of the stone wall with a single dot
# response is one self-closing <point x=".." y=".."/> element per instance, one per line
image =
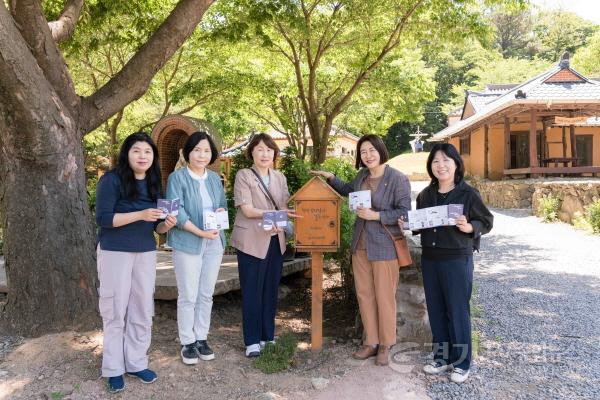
<point x="574" y="194"/>
<point x="412" y="318"/>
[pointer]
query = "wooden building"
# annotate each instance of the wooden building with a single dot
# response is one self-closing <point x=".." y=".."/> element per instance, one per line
<point x="549" y="125"/>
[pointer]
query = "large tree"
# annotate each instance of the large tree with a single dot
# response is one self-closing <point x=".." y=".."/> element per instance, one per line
<point x="48" y="231"/>
<point x="334" y="47"/>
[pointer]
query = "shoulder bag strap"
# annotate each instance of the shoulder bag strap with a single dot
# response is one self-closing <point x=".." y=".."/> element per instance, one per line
<point x="265" y="188"/>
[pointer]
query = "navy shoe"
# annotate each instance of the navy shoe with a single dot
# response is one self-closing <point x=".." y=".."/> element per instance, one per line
<point x="115" y="384"/>
<point x="146" y="375"/>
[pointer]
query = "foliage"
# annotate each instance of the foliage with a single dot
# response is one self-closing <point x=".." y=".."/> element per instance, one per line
<point x="346" y="172"/>
<point x="559" y="31"/>
<point x="548" y="207"/>
<point x="295" y="170"/>
<point x="238" y="161"/>
<point x="349" y="56"/>
<point x="586" y="59"/>
<point x="580" y="221"/>
<point x="91" y="185"/>
<point x="593" y="215"/>
<point x="278" y="356"/>
<point x="513" y="32"/>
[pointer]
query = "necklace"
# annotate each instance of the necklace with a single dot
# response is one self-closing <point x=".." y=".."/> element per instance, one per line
<point x="445" y="194"/>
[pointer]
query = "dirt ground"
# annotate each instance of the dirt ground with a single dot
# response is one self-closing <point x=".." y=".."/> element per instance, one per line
<point x="67" y="365"/>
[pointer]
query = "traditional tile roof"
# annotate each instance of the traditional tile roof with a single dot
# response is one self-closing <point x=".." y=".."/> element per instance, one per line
<point x="556" y="85"/>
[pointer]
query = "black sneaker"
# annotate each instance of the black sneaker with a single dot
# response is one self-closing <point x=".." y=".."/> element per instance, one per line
<point x="204" y="351"/>
<point x="189" y="354"/>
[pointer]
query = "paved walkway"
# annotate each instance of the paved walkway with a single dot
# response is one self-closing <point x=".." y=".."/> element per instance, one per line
<point x="538" y="288"/>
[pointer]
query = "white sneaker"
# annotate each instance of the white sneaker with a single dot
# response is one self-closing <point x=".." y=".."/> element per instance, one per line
<point x="262" y="343"/>
<point x="459" y="375"/>
<point x="436" y="367"/>
<point x="253" y="350"/>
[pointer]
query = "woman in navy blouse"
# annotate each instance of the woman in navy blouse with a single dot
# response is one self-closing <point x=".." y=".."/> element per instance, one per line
<point x="127" y="217"/>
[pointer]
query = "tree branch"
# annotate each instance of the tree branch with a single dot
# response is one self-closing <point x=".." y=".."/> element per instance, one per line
<point x="29" y="16"/>
<point x="132" y="81"/>
<point x="64" y="26"/>
<point x="392" y="42"/>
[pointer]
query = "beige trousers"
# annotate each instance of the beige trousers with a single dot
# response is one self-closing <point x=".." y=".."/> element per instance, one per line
<point x="376" y="283"/>
<point x="127" y="305"/>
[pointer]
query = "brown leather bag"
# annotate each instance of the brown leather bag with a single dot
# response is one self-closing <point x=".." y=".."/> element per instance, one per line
<point x="401" y="245"/>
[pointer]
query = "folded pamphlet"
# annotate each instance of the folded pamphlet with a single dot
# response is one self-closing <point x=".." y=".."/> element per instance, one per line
<point x="168" y="207"/>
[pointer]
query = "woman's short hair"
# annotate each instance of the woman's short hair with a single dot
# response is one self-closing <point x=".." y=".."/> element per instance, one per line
<point x="450" y="151"/>
<point x="379" y="146"/>
<point x="193" y="140"/>
<point x="267" y="140"/>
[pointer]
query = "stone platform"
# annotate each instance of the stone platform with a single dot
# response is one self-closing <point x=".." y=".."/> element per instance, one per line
<point x="166" y="286"/>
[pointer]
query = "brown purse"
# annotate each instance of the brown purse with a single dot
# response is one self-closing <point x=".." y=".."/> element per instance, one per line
<point x="401" y="245"/>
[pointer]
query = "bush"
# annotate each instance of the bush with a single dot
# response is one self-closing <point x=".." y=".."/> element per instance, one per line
<point x="296" y="171"/>
<point x="279" y="356"/>
<point x="593" y="215"/>
<point x="548" y="208"/>
<point x="346" y="172"/>
<point x="91" y="185"/>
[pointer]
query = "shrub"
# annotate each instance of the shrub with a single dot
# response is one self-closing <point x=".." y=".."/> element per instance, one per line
<point x="346" y="172"/>
<point x="593" y="215"/>
<point x="548" y="208"/>
<point x="296" y="171"/>
<point x="279" y="356"/>
<point x="91" y="185"/>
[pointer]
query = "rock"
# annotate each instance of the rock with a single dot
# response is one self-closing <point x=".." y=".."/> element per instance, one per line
<point x="283" y="292"/>
<point x="319" y="383"/>
<point x="3" y="373"/>
<point x="41" y="377"/>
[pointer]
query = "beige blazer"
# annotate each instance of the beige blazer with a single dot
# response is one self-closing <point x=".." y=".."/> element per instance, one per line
<point x="248" y="235"/>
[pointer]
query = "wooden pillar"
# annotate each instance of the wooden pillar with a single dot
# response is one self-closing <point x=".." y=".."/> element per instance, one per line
<point x="316" y="331"/>
<point x="506" y="143"/>
<point x="564" y="140"/>
<point x="573" y="145"/>
<point x="533" y="160"/>
<point x="486" y="129"/>
<point x="544" y="153"/>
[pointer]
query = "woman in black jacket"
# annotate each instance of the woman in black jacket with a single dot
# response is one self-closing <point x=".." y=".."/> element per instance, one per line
<point x="447" y="261"/>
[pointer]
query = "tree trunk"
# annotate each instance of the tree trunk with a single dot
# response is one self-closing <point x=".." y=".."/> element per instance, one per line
<point x="45" y="215"/>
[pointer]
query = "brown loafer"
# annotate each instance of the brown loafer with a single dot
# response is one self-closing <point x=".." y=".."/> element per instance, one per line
<point x="383" y="355"/>
<point x="365" y="352"/>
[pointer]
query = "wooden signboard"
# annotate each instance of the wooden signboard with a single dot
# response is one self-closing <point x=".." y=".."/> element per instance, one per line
<point x="317" y="231"/>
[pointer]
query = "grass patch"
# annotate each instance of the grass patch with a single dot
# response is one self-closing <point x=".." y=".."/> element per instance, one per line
<point x="277" y="357"/>
<point x="476" y="312"/>
<point x="57" y="395"/>
<point x="548" y="207"/>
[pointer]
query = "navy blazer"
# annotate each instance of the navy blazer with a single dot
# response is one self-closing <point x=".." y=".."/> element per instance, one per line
<point x="391" y="199"/>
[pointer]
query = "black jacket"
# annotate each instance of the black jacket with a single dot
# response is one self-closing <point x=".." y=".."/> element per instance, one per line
<point x="449" y="237"/>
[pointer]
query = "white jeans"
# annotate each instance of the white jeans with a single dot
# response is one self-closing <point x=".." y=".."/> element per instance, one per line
<point x="126" y="304"/>
<point x="196" y="277"/>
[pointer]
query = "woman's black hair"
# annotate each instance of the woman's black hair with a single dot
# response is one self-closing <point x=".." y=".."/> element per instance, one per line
<point x="450" y="151"/>
<point x="379" y="146"/>
<point x="123" y="169"/>
<point x="193" y="140"/>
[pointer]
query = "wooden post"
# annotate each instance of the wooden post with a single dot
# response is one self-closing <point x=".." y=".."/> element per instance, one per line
<point x="573" y="145"/>
<point x="506" y="143"/>
<point x="564" y="140"/>
<point x="533" y="160"/>
<point x="486" y="129"/>
<point x="316" y="330"/>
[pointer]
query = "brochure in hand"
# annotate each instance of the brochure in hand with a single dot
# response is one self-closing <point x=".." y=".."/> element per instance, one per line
<point x="431" y="217"/>
<point x="361" y="198"/>
<point x="168" y="207"/>
<point x="216" y="220"/>
<point x="274" y="218"/>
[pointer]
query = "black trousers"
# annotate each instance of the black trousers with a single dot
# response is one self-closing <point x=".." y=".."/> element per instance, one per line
<point x="448" y="285"/>
<point x="259" y="281"/>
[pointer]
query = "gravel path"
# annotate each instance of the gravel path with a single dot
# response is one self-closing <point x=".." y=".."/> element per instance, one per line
<point x="538" y="288"/>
